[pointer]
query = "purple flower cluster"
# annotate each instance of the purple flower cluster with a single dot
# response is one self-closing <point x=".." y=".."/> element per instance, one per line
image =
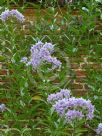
<point x="99" y="129"/>
<point x="72" y="115"/>
<point x="15" y="13"/>
<point x="62" y="106"/>
<point x="2" y="107"/>
<point x="41" y="53"/>
<point x="71" y="108"/>
<point x="64" y="93"/>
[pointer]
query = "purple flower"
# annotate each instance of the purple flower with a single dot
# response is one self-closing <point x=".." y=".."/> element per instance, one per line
<point x="17" y="14"/>
<point x="99" y="129"/>
<point x="73" y="115"/>
<point x="54" y="61"/>
<point x="60" y="106"/>
<point x="44" y="53"/>
<point x="2" y="107"/>
<point x="80" y="104"/>
<point x="38" y="46"/>
<point x="41" y="53"/>
<point x="35" y="58"/>
<point x="64" y="93"/>
<point x="7" y="13"/>
<point x="24" y="60"/>
<point x="49" y="46"/>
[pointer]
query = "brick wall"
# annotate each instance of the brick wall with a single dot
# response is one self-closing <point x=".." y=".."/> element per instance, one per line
<point x="79" y="68"/>
<point x="78" y="84"/>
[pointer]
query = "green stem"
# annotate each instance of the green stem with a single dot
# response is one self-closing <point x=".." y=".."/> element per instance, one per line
<point x="74" y="128"/>
<point x="8" y="5"/>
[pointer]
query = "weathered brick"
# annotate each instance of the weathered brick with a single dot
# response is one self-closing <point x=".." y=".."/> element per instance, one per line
<point x="77" y="86"/>
<point x="80" y="73"/>
<point x="79" y="80"/>
<point x="75" y="12"/>
<point x="3" y="100"/>
<point x="75" y="65"/>
<point x="79" y="92"/>
<point x="96" y="66"/>
<point x="1" y="83"/>
<point x="3" y="72"/>
<point x="98" y="27"/>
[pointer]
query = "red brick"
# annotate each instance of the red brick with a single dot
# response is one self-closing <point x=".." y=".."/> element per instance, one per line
<point x="3" y="100"/>
<point x="80" y="73"/>
<point x="1" y="80"/>
<point x="96" y="66"/>
<point x="79" y="80"/>
<point x="79" y="92"/>
<point x="3" y="72"/>
<point x="98" y="27"/>
<point x="75" y="66"/>
<point x="77" y="86"/>
<point x="75" y="12"/>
